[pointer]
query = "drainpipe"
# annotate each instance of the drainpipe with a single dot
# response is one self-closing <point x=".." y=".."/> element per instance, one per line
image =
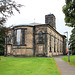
<point x="34" y="41"/>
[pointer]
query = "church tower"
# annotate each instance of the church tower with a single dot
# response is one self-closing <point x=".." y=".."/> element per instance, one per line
<point x="50" y="19"/>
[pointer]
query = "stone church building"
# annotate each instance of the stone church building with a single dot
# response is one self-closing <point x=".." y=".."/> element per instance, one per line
<point x="35" y="39"/>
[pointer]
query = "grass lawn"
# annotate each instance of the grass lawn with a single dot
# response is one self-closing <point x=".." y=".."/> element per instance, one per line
<point x="72" y="60"/>
<point x="28" y="66"/>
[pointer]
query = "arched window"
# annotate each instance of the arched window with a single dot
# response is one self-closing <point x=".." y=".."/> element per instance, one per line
<point x="9" y="38"/>
<point x="57" y="45"/>
<point x="18" y="36"/>
<point x="23" y="36"/>
<point x="50" y="42"/>
<point x="14" y="36"/>
<point x="54" y="44"/>
<point x="40" y="36"/>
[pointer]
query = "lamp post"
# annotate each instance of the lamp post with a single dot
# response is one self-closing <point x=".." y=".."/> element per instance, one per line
<point x="71" y="46"/>
<point x="67" y="47"/>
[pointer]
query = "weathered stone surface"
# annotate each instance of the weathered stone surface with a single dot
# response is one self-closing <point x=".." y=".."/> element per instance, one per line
<point x="33" y="46"/>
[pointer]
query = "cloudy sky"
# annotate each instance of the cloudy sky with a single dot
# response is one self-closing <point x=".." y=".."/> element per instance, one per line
<point x="37" y="9"/>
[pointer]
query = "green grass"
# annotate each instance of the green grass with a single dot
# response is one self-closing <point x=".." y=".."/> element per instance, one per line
<point x="28" y="66"/>
<point x="72" y="60"/>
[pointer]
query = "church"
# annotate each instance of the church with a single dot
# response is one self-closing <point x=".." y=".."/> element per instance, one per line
<point x="35" y="39"/>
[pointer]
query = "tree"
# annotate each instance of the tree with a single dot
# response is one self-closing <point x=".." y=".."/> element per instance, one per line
<point x="6" y="9"/>
<point x="2" y="39"/>
<point x="69" y="11"/>
<point x="72" y="41"/>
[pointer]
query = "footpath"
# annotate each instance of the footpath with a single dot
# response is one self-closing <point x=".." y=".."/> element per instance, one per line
<point x="64" y="67"/>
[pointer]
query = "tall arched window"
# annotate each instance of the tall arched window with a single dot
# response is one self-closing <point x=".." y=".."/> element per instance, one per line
<point x="14" y="37"/>
<point x="50" y="42"/>
<point x="54" y="44"/>
<point x="18" y="36"/>
<point x="9" y="38"/>
<point x="57" y="45"/>
<point x="40" y="36"/>
<point x="23" y="36"/>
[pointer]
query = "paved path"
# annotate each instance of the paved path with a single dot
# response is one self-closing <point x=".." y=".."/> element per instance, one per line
<point x="64" y="67"/>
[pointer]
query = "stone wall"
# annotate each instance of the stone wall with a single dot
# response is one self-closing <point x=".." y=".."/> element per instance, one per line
<point x="50" y="19"/>
<point x="40" y="46"/>
<point x="58" y="42"/>
<point x="50" y="42"/>
<point x="27" y="49"/>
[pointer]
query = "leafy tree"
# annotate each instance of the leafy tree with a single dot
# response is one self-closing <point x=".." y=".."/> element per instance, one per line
<point x="72" y="41"/>
<point x="69" y="11"/>
<point x="2" y="39"/>
<point x="6" y="10"/>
